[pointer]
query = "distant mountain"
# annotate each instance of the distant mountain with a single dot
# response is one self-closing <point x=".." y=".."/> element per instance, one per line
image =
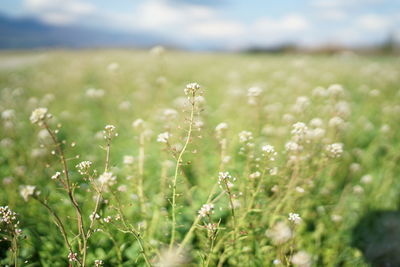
<point x="25" y="33"/>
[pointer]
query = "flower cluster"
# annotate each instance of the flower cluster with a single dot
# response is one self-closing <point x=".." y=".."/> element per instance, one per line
<point x="299" y="131"/>
<point x="56" y="176"/>
<point x="84" y="167"/>
<point x="94" y="216"/>
<point x="269" y="152"/>
<point x="292" y="146"/>
<point x="280" y="233"/>
<point x="294" y="217"/>
<point x="163" y="137"/>
<point x="107" y="179"/>
<point x="26" y="191"/>
<point x="206" y="210"/>
<point x="8" y="222"/>
<point x="226" y="179"/>
<point x="128" y="160"/>
<point x="335" y="150"/>
<point x="221" y="129"/>
<point x="245" y="137"/>
<point x="94" y="93"/>
<point x="109" y="131"/>
<point x="253" y="93"/>
<point x="72" y="256"/>
<point x="39" y="116"/>
<point x="138" y="124"/>
<point x="191" y="89"/>
<point x="7" y="216"/>
<point x="98" y="263"/>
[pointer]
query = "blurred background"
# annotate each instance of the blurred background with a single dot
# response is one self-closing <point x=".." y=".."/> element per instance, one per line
<point x="206" y="25"/>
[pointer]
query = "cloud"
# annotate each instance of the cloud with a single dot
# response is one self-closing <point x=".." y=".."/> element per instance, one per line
<point x="187" y="24"/>
<point x="200" y="2"/>
<point x="332" y="14"/>
<point x="288" y="23"/>
<point x="373" y="22"/>
<point x="345" y="3"/>
<point x="59" y="12"/>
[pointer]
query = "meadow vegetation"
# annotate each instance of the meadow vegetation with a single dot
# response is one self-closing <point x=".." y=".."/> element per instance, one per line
<point x="165" y="158"/>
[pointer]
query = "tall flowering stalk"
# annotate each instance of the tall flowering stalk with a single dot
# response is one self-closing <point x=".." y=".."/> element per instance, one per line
<point x="190" y="91"/>
<point x="139" y="124"/>
<point x="225" y="181"/>
<point x="40" y="116"/>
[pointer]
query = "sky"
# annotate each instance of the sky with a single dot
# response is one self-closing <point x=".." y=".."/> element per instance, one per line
<point x="227" y="24"/>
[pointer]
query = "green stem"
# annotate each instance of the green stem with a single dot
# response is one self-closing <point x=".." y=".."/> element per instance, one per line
<point x="178" y="162"/>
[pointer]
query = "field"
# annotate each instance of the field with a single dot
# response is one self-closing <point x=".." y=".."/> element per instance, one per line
<point x="166" y="158"/>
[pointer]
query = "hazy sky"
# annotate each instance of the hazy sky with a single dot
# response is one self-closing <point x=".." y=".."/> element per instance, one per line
<point x="227" y="23"/>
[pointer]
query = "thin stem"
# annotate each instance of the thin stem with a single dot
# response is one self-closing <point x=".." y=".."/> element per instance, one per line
<point x="58" y="223"/>
<point x="130" y="229"/>
<point x="178" y="162"/>
<point x="68" y="186"/>
<point x="189" y="234"/>
<point x="108" y="151"/>
<point x="141" y="171"/>
<point x="15" y="249"/>
<point x="232" y="212"/>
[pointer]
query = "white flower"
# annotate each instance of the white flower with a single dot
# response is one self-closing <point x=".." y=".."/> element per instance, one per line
<point x="226" y="179"/>
<point x="273" y="171"/>
<point x="299" y="130"/>
<point x="7" y="215"/>
<point x="253" y="93"/>
<point x="84" y="166"/>
<point x="280" y="233"/>
<point x="294" y="217"/>
<point x="94" y="93"/>
<point x="107" y="179"/>
<point x="94" y="216"/>
<point x="72" y="256"/>
<point x="293" y="147"/>
<point x="336" y="122"/>
<point x="191" y="89"/>
<point x="315" y="134"/>
<point x="26" y="191"/>
<point x="98" y="263"/>
<point x="38" y="115"/>
<point x="128" y="160"/>
<point x="56" y="175"/>
<point x="255" y="175"/>
<point x="301" y="259"/>
<point x="335" y="90"/>
<point x="138" y="123"/>
<point x="107" y="219"/>
<point x="206" y="210"/>
<point x="221" y="127"/>
<point x="109" y="131"/>
<point x="8" y="114"/>
<point x="245" y="136"/>
<point x="335" y="150"/>
<point x="163" y="137"/>
<point x="366" y="179"/>
<point x="269" y="152"/>
<point x="316" y="122"/>
<point x="300" y="189"/>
